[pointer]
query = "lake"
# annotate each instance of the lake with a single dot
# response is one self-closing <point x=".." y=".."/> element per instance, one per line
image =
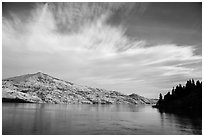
<point x="41" y="119"/>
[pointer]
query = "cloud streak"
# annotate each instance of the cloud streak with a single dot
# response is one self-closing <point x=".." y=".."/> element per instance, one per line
<point x="74" y="41"/>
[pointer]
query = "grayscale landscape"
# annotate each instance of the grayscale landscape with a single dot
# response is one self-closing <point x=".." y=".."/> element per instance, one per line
<point x="42" y="88"/>
<point x="101" y="68"/>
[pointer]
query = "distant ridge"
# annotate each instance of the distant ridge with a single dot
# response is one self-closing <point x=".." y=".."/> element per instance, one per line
<point x="43" y="88"/>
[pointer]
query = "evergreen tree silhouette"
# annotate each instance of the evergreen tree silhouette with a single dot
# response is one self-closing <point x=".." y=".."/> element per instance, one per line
<point x="160" y="99"/>
<point x="188" y="96"/>
<point x="160" y="96"/>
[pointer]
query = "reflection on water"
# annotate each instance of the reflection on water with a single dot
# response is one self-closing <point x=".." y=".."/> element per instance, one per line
<point x="93" y="119"/>
<point x="186" y="124"/>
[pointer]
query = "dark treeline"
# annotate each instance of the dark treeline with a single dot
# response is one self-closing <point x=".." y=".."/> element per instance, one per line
<point x="181" y="98"/>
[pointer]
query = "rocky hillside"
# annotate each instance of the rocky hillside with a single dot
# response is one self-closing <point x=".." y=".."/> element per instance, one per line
<point x="42" y="88"/>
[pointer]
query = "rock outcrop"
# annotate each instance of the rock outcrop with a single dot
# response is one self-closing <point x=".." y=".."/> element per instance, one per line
<point x="42" y="88"/>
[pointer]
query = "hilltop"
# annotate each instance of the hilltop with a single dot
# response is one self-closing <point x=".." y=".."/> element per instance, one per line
<point x="42" y="88"/>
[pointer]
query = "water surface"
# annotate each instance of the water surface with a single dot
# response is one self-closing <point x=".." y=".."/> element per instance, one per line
<point x="26" y="118"/>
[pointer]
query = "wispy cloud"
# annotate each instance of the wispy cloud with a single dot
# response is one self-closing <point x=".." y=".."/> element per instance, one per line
<point x="75" y="41"/>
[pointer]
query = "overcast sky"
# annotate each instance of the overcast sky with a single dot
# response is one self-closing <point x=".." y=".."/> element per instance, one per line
<point x="143" y="48"/>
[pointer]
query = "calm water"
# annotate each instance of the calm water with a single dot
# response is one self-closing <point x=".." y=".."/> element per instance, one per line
<point x="38" y="119"/>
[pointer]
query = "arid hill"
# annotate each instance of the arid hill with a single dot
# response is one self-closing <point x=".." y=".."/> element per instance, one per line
<point x="42" y="88"/>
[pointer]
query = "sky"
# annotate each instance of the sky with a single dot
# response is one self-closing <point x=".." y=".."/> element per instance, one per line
<point x="143" y="48"/>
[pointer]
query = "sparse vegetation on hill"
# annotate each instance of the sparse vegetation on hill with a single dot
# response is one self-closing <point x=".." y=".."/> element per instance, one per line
<point x="42" y="88"/>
